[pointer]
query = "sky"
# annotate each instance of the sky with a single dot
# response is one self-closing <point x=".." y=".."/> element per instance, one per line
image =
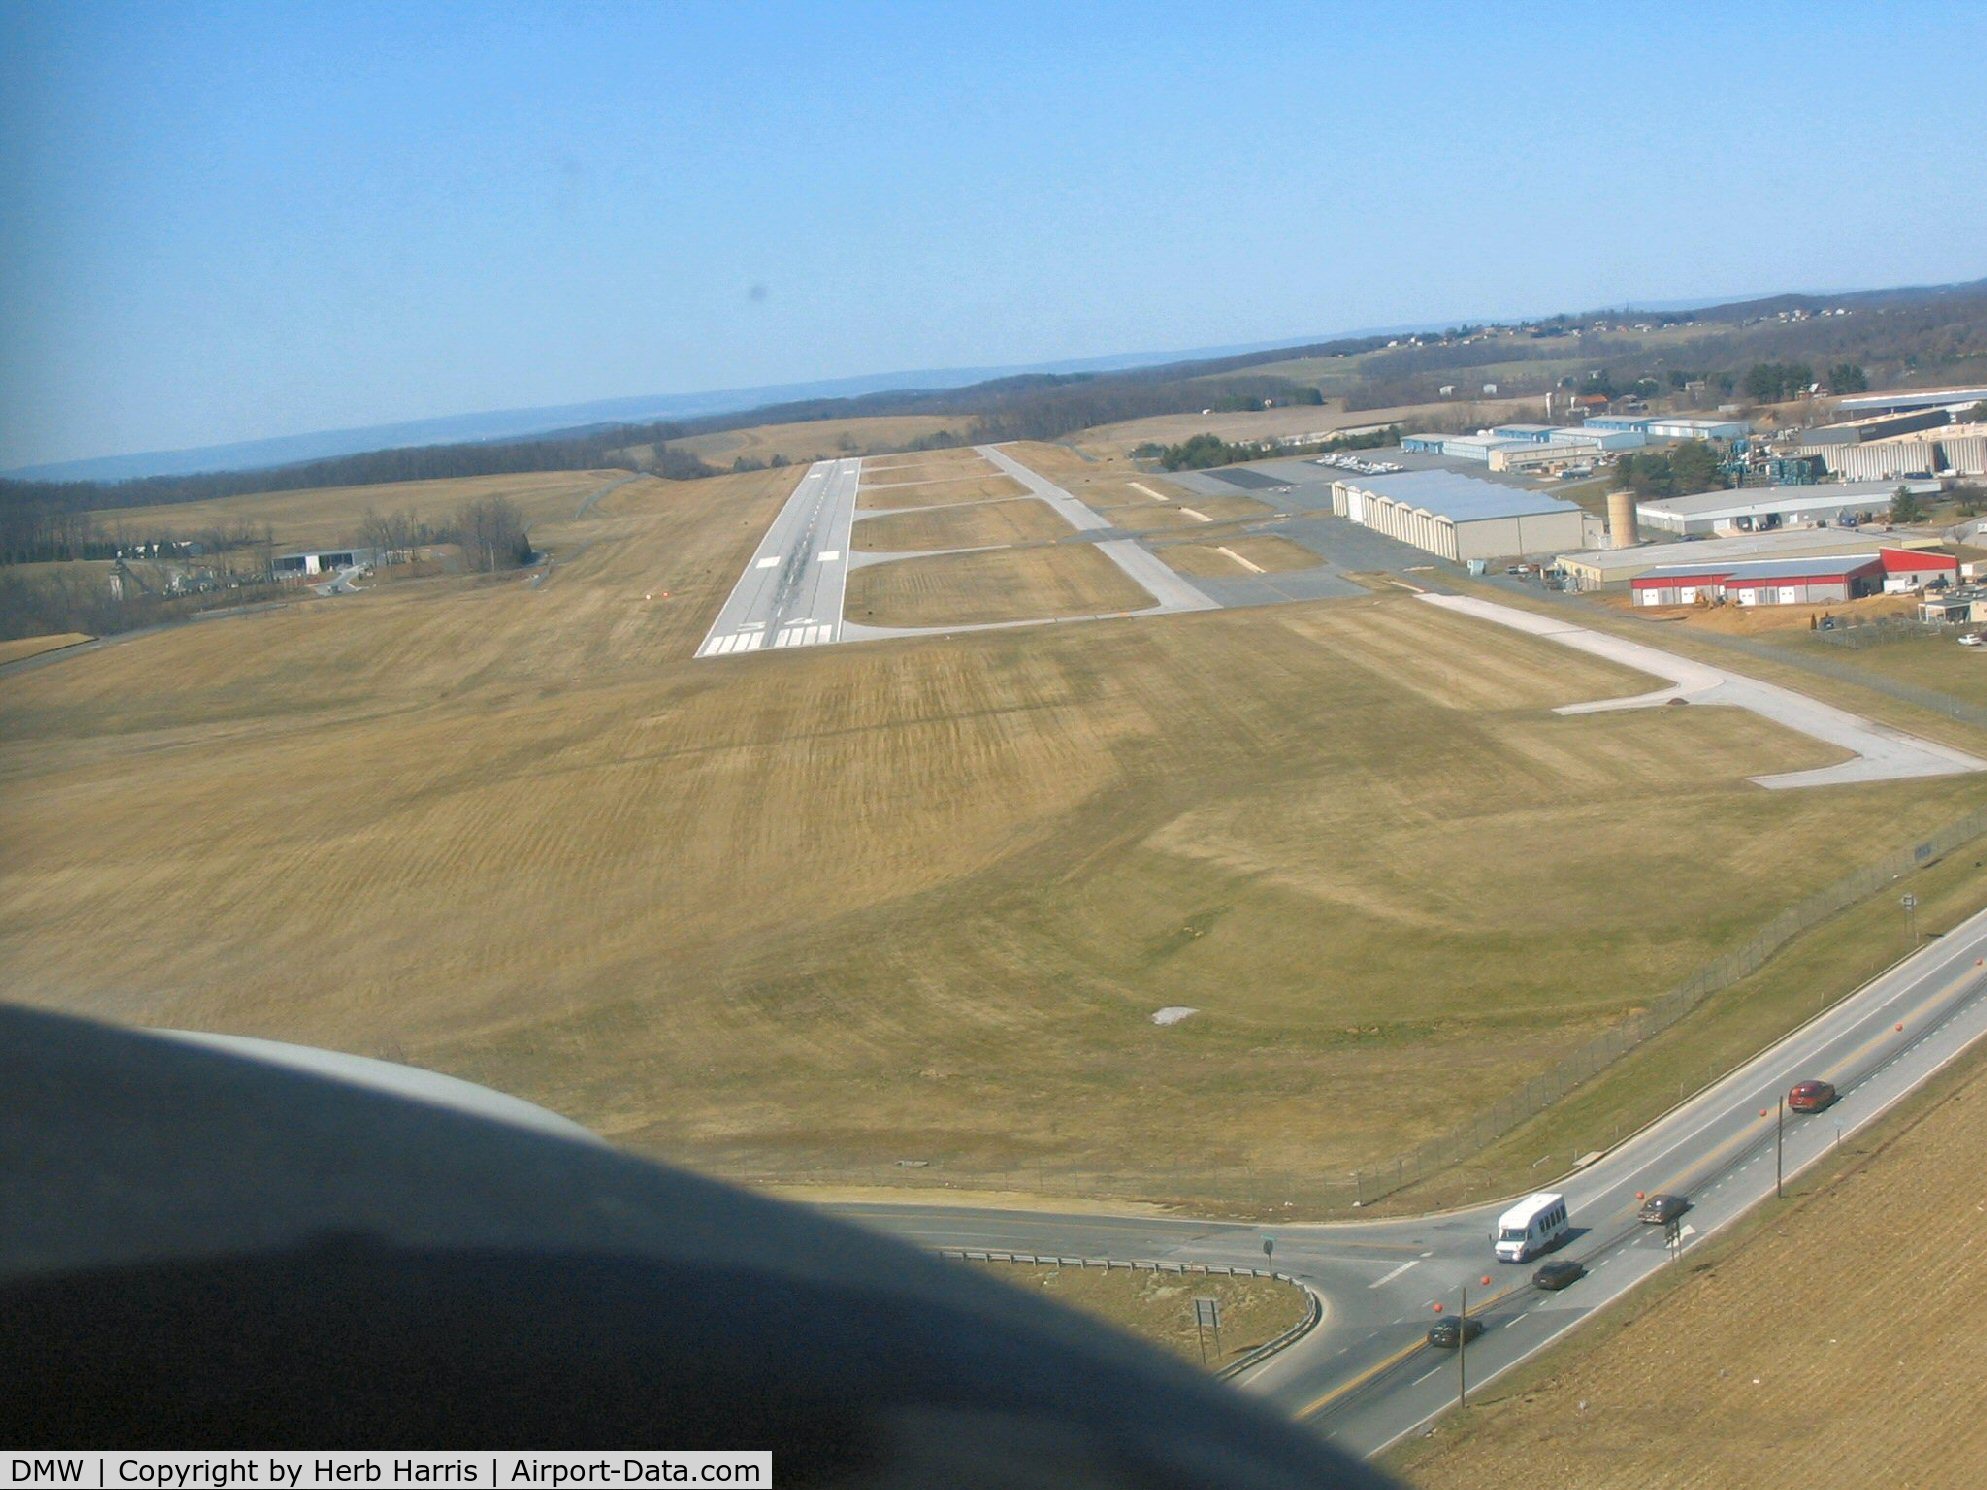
<point x="226" y="222"/>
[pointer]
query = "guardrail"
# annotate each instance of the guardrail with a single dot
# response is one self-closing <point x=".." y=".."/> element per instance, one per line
<point x="1313" y="1316"/>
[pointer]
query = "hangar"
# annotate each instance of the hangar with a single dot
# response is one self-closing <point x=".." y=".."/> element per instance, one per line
<point x="1460" y="517"/>
<point x="1812" y="581"/>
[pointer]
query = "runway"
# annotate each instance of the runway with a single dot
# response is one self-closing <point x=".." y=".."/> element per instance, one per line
<point x="791" y="592"/>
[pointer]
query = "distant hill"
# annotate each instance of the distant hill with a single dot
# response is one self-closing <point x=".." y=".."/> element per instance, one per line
<point x="558" y="419"/>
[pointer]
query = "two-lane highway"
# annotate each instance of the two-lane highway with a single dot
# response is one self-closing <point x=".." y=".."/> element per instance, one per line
<point x="791" y="592"/>
<point x="1366" y="1376"/>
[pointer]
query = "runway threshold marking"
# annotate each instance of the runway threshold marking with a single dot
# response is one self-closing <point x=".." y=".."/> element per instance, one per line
<point x="768" y="562"/>
<point x="1252" y="568"/>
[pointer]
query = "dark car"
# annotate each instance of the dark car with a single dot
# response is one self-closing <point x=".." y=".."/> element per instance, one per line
<point x="1448" y="1334"/>
<point x="1810" y="1096"/>
<point x="1557" y="1275"/>
<point x="1659" y="1209"/>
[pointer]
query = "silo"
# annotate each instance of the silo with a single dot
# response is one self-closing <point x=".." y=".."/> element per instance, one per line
<point x="1621" y="519"/>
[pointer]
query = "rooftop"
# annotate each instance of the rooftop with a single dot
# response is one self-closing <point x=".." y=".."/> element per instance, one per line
<point x="1720" y="552"/>
<point x="1461" y="498"/>
<point x="1751" y="499"/>
<point x="1759" y="569"/>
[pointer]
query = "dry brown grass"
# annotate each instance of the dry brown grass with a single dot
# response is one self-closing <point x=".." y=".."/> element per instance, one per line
<point x="1159" y="1307"/>
<point x="936" y="491"/>
<point x="1171" y="429"/>
<point x="1837" y="1344"/>
<point x="1269" y="555"/>
<point x="978" y="525"/>
<point x="998" y="585"/>
<point x="819" y="439"/>
<point x="34" y="646"/>
<point x="1192" y="513"/>
<point x="331" y="514"/>
<point x="798" y="914"/>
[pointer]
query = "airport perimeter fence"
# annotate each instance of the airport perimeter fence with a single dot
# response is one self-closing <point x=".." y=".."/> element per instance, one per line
<point x="1582" y="1065"/>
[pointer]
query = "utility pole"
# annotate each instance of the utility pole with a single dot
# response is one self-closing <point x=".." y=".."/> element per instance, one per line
<point x="1462" y="1351"/>
<point x="1780" y="1150"/>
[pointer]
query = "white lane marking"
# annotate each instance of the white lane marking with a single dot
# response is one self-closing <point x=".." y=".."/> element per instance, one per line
<point x="1136" y="486"/>
<point x="1389" y="1277"/>
<point x="829" y="555"/>
<point x="770" y="561"/>
<point x="1199" y="517"/>
<point x="1252" y="568"/>
<point x="1425" y="1375"/>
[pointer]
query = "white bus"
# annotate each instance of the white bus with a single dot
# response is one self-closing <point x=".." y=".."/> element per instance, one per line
<point x="1535" y="1224"/>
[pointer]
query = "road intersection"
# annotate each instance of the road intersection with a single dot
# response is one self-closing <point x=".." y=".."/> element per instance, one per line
<point x="1366" y="1377"/>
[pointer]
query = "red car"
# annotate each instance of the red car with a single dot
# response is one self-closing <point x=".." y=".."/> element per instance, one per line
<point x="1810" y="1096"/>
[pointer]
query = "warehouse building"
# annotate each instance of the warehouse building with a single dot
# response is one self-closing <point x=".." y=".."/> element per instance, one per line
<point x="1754" y="509"/>
<point x="1907" y="570"/>
<point x="1898" y="400"/>
<point x="1476" y="447"/>
<point x="1671" y="427"/>
<point x="1529" y="457"/>
<point x="1422" y="444"/>
<point x="1461" y="517"/>
<point x="1601" y="439"/>
<point x="1952" y="450"/>
<point x="1607" y="568"/>
<point x="1809" y="581"/>
<point x="1536" y="434"/>
<point x="1638" y="423"/>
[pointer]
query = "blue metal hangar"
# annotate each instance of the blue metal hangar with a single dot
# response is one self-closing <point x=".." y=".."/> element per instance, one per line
<point x="1460" y="517"/>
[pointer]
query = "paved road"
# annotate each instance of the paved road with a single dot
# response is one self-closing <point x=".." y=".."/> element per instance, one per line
<point x="1881" y="753"/>
<point x="1366" y="1377"/>
<point x="791" y="592"/>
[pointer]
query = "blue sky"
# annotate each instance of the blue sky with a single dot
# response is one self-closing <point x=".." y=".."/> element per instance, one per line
<point x="224" y="222"/>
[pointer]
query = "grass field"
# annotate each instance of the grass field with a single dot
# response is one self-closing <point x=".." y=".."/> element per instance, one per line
<point x="1268" y="555"/>
<point x="1171" y="429"/>
<point x="998" y="585"/>
<point x="976" y="525"/>
<point x="1159" y="1307"/>
<point x="819" y="439"/>
<point x="34" y="646"/>
<point x="793" y="916"/>
<point x="331" y="514"/>
<point x="894" y="494"/>
<point x="1835" y="1342"/>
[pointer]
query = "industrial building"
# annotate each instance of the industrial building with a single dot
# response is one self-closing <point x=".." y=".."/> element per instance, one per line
<point x="1906" y="569"/>
<point x="1600" y="569"/>
<point x="1525" y="457"/>
<point x="1674" y="427"/>
<point x="1461" y="517"/>
<point x="1948" y="450"/>
<point x="1901" y="399"/>
<point x="1600" y="439"/>
<point x="1536" y="434"/>
<point x="1639" y="423"/>
<point x="1752" y="509"/>
<point x="1811" y="581"/>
